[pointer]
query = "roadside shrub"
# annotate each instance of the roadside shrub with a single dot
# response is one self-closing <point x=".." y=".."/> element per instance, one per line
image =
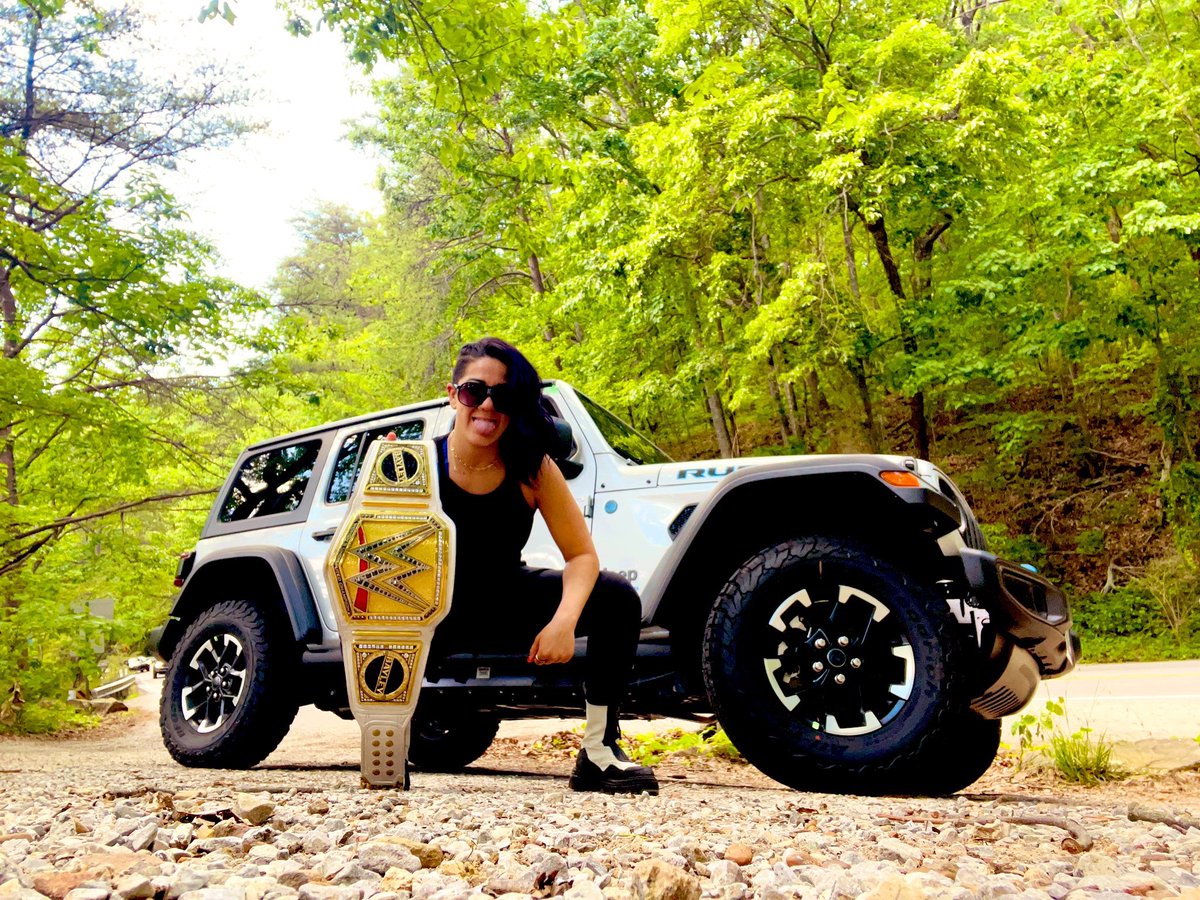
<point x="1090" y="542"/>
<point x="1022" y="548"/>
<point x="1106" y="648"/>
<point x="1126" y="611"/>
<point x="1174" y="584"/>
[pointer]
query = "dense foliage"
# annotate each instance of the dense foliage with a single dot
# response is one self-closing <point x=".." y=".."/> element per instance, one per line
<point x="967" y="231"/>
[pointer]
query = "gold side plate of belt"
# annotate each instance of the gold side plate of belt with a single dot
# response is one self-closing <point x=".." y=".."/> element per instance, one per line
<point x="390" y="570"/>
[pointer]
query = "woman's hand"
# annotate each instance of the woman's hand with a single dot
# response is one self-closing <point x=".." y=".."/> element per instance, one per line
<point x="554" y="644"/>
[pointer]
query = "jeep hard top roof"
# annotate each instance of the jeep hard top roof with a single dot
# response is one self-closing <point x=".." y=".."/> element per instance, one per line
<point x="294" y="436"/>
<point x="363" y="419"/>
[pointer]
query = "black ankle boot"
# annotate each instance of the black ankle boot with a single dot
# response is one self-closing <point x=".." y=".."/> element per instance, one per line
<point x="613" y="779"/>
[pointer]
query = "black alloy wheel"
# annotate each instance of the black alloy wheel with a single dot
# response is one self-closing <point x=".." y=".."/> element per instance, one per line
<point x="214" y="681"/>
<point x="229" y="692"/>
<point x="837" y="658"/>
<point x="833" y="670"/>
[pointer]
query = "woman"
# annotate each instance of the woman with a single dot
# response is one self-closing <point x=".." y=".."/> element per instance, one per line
<point x="494" y="474"/>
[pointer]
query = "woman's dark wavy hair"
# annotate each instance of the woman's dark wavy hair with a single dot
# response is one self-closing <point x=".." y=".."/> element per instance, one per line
<point x="527" y="439"/>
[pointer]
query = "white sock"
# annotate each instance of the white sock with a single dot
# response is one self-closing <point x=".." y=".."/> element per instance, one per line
<point x="598" y="752"/>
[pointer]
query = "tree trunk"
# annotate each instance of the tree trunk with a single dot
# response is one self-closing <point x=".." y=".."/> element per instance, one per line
<point x="820" y="403"/>
<point x="922" y="293"/>
<point x="35" y="31"/>
<point x="923" y="259"/>
<point x="539" y="286"/>
<point x="712" y="397"/>
<point x="858" y="365"/>
<point x="793" y="407"/>
<point x="790" y="410"/>
<point x="777" y="399"/>
<point x="848" y="243"/>
<point x="870" y="423"/>
<point x="8" y="455"/>
<point x="883" y="249"/>
<point x="731" y="422"/>
<point x="535" y="274"/>
<point x="917" y="419"/>
<point x="8" y="459"/>
<point x="716" y="411"/>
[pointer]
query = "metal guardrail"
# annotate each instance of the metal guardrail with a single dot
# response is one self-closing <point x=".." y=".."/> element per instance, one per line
<point x="117" y="688"/>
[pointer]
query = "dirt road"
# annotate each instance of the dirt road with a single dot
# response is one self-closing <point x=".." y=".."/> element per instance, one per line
<point x="108" y="816"/>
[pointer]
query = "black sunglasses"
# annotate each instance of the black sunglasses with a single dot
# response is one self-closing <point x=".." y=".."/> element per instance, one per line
<point x="473" y="393"/>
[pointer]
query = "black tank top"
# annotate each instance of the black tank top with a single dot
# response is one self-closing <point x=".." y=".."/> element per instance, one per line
<point x="491" y="528"/>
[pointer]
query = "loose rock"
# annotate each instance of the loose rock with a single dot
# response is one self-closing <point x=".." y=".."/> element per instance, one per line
<point x="253" y="809"/>
<point x="740" y="854"/>
<point x="657" y="880"/>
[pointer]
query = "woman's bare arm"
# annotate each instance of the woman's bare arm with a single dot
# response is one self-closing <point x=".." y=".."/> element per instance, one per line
<point x="556" y="642"/>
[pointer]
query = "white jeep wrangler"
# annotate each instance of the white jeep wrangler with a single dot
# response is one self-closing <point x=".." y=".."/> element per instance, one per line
<point x="840" y="615"/>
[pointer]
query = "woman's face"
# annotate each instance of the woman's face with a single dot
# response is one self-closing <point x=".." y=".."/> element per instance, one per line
<point x="481" y="425"/>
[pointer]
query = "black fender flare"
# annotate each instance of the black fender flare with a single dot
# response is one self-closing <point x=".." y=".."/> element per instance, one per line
<point x="253" y="565"/>
<point x="754" y="507"/>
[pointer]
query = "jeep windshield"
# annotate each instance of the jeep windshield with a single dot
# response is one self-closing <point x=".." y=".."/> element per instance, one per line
<point x="628" y="443"/>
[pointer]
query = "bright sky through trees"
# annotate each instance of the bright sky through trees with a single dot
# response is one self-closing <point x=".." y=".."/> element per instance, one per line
<point x="244" y="198"/>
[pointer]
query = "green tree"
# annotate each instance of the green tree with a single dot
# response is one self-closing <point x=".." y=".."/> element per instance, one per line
<point x="362" y="323"/>
<point x="107" y="310"/>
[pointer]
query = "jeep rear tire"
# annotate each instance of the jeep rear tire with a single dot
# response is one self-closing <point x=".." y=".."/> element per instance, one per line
<point x="832" y="670"/>
<point x="228" y="693"/>
<point x="446" y="737"/>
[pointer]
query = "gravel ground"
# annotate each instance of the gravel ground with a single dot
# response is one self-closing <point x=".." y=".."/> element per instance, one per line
<point x="80" y="821"/>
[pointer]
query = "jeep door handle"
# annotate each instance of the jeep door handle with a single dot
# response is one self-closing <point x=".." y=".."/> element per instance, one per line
<point x="325" y="535"/>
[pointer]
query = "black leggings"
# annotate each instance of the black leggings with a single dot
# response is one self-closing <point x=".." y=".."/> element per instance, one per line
<point x="507" y="614"/>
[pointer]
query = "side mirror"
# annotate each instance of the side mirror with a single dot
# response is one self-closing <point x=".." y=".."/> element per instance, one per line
<point x="564" y="451"/>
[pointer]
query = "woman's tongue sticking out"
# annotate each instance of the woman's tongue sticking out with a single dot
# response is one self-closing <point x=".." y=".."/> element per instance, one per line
<point x="482" y="426"/>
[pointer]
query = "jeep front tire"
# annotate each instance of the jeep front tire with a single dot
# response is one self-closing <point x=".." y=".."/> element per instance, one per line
<point x="832" y="670"/>
<point x="228" y="693"/>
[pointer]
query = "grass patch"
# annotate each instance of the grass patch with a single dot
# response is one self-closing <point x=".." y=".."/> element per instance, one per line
<point x="47" y="717"/>
<point x="1079" y="756"/>
<point x="650" y="749"/>
<point x="1108" y="648"/>
<point x="1082" y="758"/>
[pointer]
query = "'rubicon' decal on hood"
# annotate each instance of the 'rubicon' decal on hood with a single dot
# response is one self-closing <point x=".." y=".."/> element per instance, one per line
<point x="709" y="472"/>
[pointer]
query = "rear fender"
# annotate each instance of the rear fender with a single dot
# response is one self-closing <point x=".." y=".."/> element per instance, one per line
<point x="273" y="578"/>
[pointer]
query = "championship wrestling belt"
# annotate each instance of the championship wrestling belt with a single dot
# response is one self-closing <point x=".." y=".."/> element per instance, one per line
<point x="390" y="570"/>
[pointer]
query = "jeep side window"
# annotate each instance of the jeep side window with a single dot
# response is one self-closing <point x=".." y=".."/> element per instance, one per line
<point x="271" y="482"/>
<point x="350" y="455"/>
